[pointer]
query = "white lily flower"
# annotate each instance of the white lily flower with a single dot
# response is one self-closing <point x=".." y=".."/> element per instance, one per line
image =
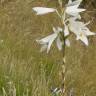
<point x="72" y="8"/>
<point x="47" y="41"/>
<point x="81" y="31"/>
<point x="67" y="42"/>
<point x="43" y="10"/>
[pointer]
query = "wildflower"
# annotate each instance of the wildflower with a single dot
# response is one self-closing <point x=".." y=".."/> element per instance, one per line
<point x="80" y="30"/>
<point x="72" y="8"/>
<point x="47" y="41"/>
<point x="43" y="10"/>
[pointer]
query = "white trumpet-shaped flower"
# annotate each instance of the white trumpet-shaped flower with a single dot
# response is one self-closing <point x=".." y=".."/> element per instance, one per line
<point x="43" y="10"/>
<point x="47" y="41"/>
<point x="72" y="8"/>
<point x="81" y="31"/>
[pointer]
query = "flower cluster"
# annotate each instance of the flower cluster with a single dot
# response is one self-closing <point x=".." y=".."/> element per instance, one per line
<point x="71" y="19"/>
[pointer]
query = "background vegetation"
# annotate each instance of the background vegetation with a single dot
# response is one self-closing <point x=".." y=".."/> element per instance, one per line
<point x="24" y="71"/>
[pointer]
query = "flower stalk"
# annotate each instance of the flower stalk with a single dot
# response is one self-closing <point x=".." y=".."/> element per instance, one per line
<point x="63" y="71"/>
<point x="63" y="66"/>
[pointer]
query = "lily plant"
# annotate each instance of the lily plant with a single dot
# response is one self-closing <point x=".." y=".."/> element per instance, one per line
<point x="72" y="23"/>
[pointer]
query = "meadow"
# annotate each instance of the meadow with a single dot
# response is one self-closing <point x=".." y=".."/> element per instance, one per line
<point x="24" y="71"/>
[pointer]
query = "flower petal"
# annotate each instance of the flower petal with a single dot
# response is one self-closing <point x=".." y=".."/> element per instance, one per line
<point x="87" y="32"/>
<point x="51" y="41"/>
<point x="84" y="40"/>
<point x="67" y="42"/>
<point x="46" y="39"/>
<point x="66" y="31"/>
<point x="47" y="42"/>
<point x="75" y="16"/>
<point x="76" y="2"/>
<point x="59" y="43"/>
<point x="57" y="30"/>
<point x="72" y="7"/>
<point x="73" y="10"/>
<point x="43" y="10"/>
<point x="76" y="26"/>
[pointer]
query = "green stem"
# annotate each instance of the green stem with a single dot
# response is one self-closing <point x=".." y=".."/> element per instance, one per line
<point x="64" y="63"/>
<point x="63" y="72"/>
<point x="62" y="17"/>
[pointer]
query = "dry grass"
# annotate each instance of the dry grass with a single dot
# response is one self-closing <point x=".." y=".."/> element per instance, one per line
<point x="26" y="72"/>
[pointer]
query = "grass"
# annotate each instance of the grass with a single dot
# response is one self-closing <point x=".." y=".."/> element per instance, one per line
<point x="24" y="71"/>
